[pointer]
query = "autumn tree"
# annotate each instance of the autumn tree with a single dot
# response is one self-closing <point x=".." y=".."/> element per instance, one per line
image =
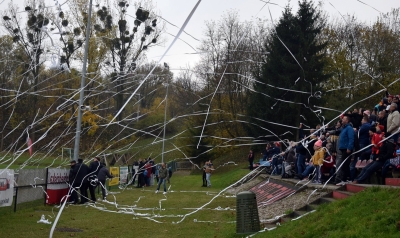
<point x="233" y="52"/>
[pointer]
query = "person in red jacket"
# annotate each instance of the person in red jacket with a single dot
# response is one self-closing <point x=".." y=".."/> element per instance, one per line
<point x="376" y="141"/>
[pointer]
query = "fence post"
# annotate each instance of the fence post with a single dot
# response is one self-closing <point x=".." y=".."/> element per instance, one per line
<point x="16" y="199"/>
<point x="45" y="191"/>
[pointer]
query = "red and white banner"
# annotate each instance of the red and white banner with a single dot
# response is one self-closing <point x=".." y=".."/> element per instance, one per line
<point x="57" y="185"/>
<point x="6" y="187"/>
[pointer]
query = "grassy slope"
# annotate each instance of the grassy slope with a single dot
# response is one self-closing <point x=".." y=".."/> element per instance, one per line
<point x="371" y="213"/>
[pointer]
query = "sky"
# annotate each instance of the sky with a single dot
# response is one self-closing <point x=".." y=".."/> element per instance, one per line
<point x="176" y="12"/>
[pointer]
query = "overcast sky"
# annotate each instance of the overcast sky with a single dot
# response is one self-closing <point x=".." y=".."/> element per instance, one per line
<point x="176" y="11"/>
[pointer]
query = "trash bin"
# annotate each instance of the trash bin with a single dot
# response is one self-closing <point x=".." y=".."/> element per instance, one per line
<point x="247" y="220"/>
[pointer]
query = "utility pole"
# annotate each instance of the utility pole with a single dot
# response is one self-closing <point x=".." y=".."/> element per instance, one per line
<point x="165" y="115"/>
<point x="81" y="107"/>
<point x="138" y="107"/>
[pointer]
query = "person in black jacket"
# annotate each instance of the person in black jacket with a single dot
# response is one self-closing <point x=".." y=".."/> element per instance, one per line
<point x="385" y="152"/>
<point x="82" y="171"/>
<point x="251" y="159"/>
<point x="140" y="174"/>
<point x="73" y="198"/>
<point x="102" y="176"/>
<point x="94" y="168"/>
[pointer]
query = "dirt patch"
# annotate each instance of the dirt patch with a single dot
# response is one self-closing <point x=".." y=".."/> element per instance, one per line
<point x="68" y="229"/>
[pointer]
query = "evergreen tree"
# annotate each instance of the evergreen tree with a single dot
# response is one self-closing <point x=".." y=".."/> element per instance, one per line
<point x="288" y="85"/>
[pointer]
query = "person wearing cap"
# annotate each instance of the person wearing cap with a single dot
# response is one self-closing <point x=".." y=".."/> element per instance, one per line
<point x="346" y="146"/>
<point x="385" y="152"/>
<point x="317" y="160"/>
<point x="393" y="121"/>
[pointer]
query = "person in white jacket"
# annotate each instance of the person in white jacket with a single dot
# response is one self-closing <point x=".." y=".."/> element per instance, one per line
<point x="393" y="121"/>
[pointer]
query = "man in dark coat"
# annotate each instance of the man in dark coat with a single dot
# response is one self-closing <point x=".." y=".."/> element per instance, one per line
<point x="250" y="158"/>
<point x="71" y="179"/>
<point x="82" y="170"/>
<point x="94" y="168"/>
<point x="140" y="174"/>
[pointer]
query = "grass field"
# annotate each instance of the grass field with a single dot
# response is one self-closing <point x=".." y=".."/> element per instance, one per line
<point x="184" y="196"/>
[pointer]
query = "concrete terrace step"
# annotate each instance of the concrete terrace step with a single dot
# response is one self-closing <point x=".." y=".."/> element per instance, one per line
<point x="354" y="188"/>
<point x="392" y="181"/>
<point x="339" y="194"/>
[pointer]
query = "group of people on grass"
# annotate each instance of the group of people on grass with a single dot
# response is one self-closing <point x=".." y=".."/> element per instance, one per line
<point x="83" y="177"/>
<point x="361" y="143"/>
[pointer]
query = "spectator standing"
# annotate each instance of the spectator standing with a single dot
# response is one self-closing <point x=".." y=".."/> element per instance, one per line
<point x="153" y="172"/>
<point x="94" y="168"/>
<point x="209" y="170"/>
<point x="393" y="121"/>
<point x="104" y="173"/>
<point x="363" y="141"/>
<point x="71" y="179"/>
<point x="250" y="158"/>
<point x="169" y="174"/>
<point x="82" y="171"/>
<point x="140" y="174"/>
<point x="135" y="169"/>
<point x="346" y="146"/>
<point x="382" y="120"/>
<point x="204" y="174"/>
<point x="274" y="152"/>
<point x="163" y="176"/>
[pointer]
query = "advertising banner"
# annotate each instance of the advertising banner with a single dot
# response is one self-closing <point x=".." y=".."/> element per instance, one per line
<point x="57" y="185"/>
<point x="123" y="175"/>
<point x="114" y="171"/>
<point x="6" y="187"/>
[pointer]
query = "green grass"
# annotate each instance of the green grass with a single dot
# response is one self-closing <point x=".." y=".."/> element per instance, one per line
<point x="371" y="213"/>
<point x="187" y="193"/>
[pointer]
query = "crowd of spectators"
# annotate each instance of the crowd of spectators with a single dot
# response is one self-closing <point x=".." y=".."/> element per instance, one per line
<point x="361" y="143"/>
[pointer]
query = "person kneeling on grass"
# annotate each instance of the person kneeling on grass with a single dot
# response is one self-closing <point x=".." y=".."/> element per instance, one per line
<point x="385" y="152"/>
<point x="162" y="176"/>
<point x="317" y="160"/>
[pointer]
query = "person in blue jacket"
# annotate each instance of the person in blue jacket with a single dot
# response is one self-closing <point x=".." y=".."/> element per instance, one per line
<point x="346" y="146"/>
